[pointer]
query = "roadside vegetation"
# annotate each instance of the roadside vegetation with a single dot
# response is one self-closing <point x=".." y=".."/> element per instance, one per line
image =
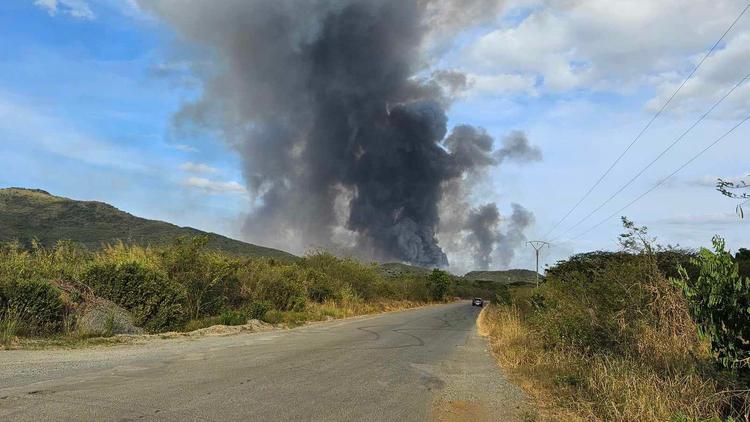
<point x="646" y="334"/>
<point x="69" y="292"/>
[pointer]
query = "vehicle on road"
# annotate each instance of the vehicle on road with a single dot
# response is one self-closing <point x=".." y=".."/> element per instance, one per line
<point x="477" y="301"/>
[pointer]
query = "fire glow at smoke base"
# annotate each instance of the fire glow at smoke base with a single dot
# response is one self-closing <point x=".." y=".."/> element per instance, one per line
<point x="321" y="101"/>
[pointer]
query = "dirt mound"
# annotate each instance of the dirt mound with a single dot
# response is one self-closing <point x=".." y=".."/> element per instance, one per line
<point x="105" y="318"/>
<point x="94" y="315"/>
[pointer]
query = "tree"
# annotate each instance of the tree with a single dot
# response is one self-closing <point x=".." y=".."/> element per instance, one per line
<point x="438" y="283"/>
<point x="738" y="189"/>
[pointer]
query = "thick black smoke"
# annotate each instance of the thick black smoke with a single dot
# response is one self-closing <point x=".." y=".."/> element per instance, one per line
<point x="490" y="238"/>
<point x="339" y="137"/>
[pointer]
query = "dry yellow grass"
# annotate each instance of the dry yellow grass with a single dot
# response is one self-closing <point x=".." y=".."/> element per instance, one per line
<point x="568" y="385"/>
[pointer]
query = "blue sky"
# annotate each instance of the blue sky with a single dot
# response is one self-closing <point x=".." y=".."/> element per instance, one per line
<point x="89" y="88"/>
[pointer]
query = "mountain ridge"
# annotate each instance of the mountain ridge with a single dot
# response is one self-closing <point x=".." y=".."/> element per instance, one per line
<point x="27" y="214"/>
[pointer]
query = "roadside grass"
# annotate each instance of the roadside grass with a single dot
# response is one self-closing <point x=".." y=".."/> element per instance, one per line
<point x="617" y="345"/>
<point x="9" y="325"/>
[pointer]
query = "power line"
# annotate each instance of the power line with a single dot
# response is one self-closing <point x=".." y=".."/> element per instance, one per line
<point x="662" y="181"/>
<point x="655" y="116"/>
<point x="658" y="157"/>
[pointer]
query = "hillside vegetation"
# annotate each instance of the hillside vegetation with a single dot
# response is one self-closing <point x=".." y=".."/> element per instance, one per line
<point x="513" y="277"/>
<point x="28" y="214"/>
<point x="646" y="334"/>
<point x="50" y="292"/>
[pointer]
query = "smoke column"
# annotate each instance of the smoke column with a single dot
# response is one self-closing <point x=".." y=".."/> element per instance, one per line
<point x="341" y="139"/>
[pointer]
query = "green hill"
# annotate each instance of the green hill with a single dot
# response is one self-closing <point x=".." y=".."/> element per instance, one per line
<point x="32" y="213"/>
<point x="505" y="277"/>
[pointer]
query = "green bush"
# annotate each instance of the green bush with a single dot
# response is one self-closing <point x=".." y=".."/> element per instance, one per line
<point x="720" y="303"/>
<point x="233" y="317"/>
<point x="258" y="309"/>
<point x="156" y="303"/>
<point x="320" y="287"/>
<point x="209" y="278"/>
<point x="502" y="295"/>
<point x="363" y="280"/>
<point x="37" y="304"/>
<point x="273" y="316"/>
<point x="281" y="286"/>
<point x="438" y="284"/>
<point x="600" y="308"/>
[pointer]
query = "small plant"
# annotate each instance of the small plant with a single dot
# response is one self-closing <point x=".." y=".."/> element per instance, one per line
<point x="231" y="317"/>
<point x="9" y="321"/>
<point x="110" y="324"/>
<point x="258" y="309"/>
<point x="273" y="316"/>
<point x="720" y="302"/>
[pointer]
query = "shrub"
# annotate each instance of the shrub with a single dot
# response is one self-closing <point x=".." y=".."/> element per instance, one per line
<point x="208" y="278"/>
<point x="438" y="284"/>
<point x="607" y="310"/>
<point x="364" y="280"/>
<point x="232" y="317"/>
<point x="9" y="322"/>
<point x="720" y="302"/>
<point x="273" y="316"/>
<point x="197" y="324"/>
<point x="320" y="287"/>
<point x="282" y="287"/>
<point x="156" y="303"/>
<point x="258" y="309"/>
<point x="502" y="295"/>
<point x="36" y="304"/>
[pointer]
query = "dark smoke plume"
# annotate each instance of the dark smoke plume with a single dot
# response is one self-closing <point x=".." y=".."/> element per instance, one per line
<point x="482" y="225"/>
<point x="339" y="137"/>
<point x="491" y="243"/>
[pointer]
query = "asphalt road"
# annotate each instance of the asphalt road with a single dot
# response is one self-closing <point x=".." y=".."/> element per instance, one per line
<point x="421" y="364"/>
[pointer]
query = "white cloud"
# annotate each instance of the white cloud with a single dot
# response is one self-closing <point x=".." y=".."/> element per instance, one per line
<point x="78" y="9"/>
<point x="603" y="45"/>
<point x="501" y="84"/>
<point x="215" y="187"/>
<point x="197" y="168"/>
<point x="719" y="73"/>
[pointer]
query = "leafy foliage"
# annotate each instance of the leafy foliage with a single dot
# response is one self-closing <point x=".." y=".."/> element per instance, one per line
<point x="502" y="295"/>
<point x="233" y="317"/>
<point x="35" y="303"/>
<point x="438" y="283"/>
<point x="257" y="310"/>
<point x="209" y="278"/>
<point x="739" y="189"/>
<point x="157" y="303"/>
<point x="720" y="302"/>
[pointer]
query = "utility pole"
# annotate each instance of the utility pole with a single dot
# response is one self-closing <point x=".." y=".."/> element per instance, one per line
<point x="537" y="245"/>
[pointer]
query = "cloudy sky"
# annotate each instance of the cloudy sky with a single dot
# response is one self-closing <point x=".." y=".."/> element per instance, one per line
<point x="89" y="90"/>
